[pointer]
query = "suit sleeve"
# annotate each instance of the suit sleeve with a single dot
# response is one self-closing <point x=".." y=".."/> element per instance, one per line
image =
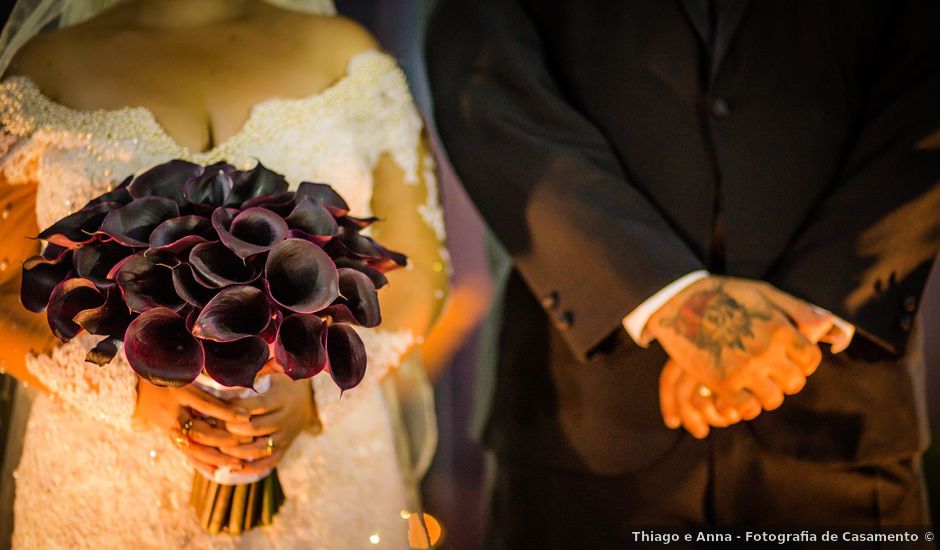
<point x="587" y="242"/>
<point x="867" y="249"/>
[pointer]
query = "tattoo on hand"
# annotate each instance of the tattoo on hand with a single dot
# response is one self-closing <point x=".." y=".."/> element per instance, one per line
<point x="714" y="321"/>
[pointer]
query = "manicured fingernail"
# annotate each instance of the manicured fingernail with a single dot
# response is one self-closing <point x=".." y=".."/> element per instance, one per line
<point x="672" y="422"/>
<point x="733" y="415"/>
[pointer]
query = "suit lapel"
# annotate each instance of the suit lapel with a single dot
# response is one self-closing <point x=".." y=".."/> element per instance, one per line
<point x="730" y="15"/>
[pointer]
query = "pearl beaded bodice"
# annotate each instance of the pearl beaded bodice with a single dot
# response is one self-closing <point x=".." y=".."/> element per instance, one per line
<point x="344" y="486"/>
<point x="335" y="135"/>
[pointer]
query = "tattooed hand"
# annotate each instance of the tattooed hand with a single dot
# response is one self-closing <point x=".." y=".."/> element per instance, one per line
<point x="736" y="347"/>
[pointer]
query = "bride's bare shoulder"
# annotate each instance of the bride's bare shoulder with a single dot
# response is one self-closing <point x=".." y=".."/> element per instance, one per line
<point x="333" y="39"/>
<point x="49" y="56"/>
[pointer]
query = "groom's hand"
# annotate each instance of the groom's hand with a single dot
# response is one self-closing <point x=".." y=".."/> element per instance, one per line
<point x="740" y="338"/>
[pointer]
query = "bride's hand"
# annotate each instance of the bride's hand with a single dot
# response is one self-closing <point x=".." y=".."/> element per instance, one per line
<point x="170" y="408"/>
<point x="277" y="417"/>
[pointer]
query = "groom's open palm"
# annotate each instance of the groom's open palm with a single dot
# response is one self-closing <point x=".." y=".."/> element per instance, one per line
<point x="741" y="344"/>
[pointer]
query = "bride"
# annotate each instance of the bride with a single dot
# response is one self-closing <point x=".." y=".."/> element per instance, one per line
<point x="115" y="91"/>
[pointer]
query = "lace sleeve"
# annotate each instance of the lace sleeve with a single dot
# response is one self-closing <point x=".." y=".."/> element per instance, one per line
<point x="384" y="350"/>
<point x="107" y="393"/>
<point x="393" y="126"/>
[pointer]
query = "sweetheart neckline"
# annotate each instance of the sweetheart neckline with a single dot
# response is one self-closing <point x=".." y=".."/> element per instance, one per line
<point x="242" y="131"/>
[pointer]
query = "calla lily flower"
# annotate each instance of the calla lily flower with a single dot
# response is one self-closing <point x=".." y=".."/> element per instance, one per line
<point x="146" y="284"/>
<point x="236" y="363"/>
<point x="216" y="266"/>
<point x="300" y="277"/>
<point x="250" y="231"/>
<point x="40" y="276"/>
<point x="161" y="350"/>
<point x="300" y="346"/>
<point x="234" y="313"/>
<point x="68" y="299"/>
<point x="165" y="180"/>
<point x="132" y="224"/>
<point x="347" y="355"/>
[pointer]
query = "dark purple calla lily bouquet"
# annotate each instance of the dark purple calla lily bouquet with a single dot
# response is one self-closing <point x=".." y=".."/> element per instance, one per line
<point x="210" y="271"/>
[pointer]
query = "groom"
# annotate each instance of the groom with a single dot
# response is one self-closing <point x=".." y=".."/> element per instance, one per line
<point x="695" y="195"/>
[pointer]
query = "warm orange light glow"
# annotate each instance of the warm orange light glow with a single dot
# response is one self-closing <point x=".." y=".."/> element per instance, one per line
<point x="417" y="538"/>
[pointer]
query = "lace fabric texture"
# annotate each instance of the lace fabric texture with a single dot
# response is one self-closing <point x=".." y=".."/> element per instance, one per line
<point x="91" y="476"/>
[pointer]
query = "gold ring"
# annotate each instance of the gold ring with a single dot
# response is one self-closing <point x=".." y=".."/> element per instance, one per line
<point x="181" y="441"/>
<point x="269" y="445"/>
<point x="186" y="427"/>
<point x="704" y="391"/>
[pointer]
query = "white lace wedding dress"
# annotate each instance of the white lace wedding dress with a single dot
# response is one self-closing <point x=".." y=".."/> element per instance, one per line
<point x="91" y="477"/>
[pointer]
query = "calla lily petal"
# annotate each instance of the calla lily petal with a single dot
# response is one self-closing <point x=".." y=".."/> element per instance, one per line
<point x="300" y="276"/>
<point x="94" y="261"/>
<point x="188" y="288"/>
<point x="250" y="231"/>
<point x="357" y="223"/>
<point x="257" y="182"/>
<point x="104" y="351"/>
<point x="179" y="234"/>
<point x="78" y="227"/>
<point x="323" y="194"/>
<point x="378" y="278"/>
<point x="351" y="243"/>
<point x="161" y="350"/>
<point x="109" y="319"/>
<point x="164" y="180"/>
<point x="131" y="225"/>
<point x="300" y="346"/>
<point x="236" y="363"/>
<point x="358" y="295"/>
<point x="68" y="299"/>
<point x="119" y="195"/>
<point x="211" y="187"/>
<point x="312" y="219"/>
<point x="234" y="313"/>
<point x="40" y="277"/>
<point x="347" y="356"/>
<point x="282" y="204"/>
<point x="146" y="284"/>
<point x="215" y="265"/>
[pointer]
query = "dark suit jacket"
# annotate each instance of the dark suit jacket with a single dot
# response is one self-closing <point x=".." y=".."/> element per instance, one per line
<point x="614" y="146"/>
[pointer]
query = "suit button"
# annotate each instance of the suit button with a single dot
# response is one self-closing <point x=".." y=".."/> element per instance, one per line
<point x="906" y="322"/>
<point x="719" y="108"/>
<point x="550" y="301"/>
<point x="910" y="304"/>
<point x="565" y="320"/>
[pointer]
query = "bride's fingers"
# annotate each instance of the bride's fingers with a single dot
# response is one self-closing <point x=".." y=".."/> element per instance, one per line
<point x="264" y="424"/>
<point x="201" y="432"/>
<point x="209" y="455"/>
<point x="201" y="465"/>
<point x="262" y="464"/>
<point x="256" y="449"/>
<point x="260" y="404"/>
<point x="201" y="401"/>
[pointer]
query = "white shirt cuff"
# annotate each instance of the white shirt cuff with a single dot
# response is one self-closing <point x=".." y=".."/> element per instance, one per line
<point x="635" y="322"/>
<point x="840" y="335"/>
